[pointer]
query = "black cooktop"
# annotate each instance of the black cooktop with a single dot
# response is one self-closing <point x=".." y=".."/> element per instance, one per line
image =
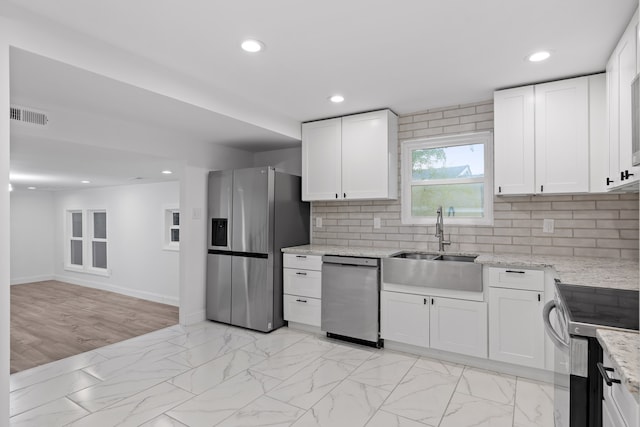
<point x="614" y="308"/>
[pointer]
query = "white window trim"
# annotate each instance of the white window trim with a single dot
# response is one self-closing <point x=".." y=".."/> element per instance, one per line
<point x="167" y="226"/>
<point x="87" y="247"/>
<point x="485" y="138"/>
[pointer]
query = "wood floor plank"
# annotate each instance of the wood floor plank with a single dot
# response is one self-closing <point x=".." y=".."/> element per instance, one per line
<point x="52" y="320"/>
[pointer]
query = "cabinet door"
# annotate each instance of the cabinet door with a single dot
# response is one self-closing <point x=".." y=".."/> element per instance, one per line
<point x="516" y="331"/>
<point x="459" y="326"/>
<point x="625" y="55"/>
<point x="404" y="318"/>
<point x="613" y="120"/>
<point x="562" y="136"/>
<point x="514" y="141"/>
<point x="321" y="160"/>
<point x="369" y="147"/>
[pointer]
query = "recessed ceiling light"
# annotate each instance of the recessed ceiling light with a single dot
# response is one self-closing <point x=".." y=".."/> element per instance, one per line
<point x="167" y="172"/>
<point x="336" y="99"/>
<point x="85" y="182"/>
<point x="252" y="46"/>
<point x="539" y="56"/>
<point x="31" y="188"/>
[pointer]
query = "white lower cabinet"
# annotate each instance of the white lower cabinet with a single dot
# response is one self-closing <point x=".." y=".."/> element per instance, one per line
<point x="302" y="286"/>
<point x="441" y="323"/>
<point x="459" y="326"/>
<point x="517" y="330"/>
<point x="404" y="318"/>
<point x="619" y="407"/>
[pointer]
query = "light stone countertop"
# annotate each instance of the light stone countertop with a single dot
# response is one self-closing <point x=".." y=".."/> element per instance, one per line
<point x="623" y="348"/>
<point x="599" y="272"/>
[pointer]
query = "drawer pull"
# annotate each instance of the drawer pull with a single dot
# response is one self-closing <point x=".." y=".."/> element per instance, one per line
<point x="299" y="273"/>
<point x="514" y="271"/>
<point x="603" y="372"/>
<point x="301" y="256"/>
<point x="301" y="300"/>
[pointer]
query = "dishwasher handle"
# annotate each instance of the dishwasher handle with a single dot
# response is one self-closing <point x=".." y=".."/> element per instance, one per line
<point x="349" y="260"/>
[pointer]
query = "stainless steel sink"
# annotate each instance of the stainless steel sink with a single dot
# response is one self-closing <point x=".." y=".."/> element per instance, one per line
<point x="453" y="272"/>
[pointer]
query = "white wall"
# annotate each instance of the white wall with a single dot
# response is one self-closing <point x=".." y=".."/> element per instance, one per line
<point x="32" y="234"/>
<point x="288" y="160"/>
<point x="138" y="263"/>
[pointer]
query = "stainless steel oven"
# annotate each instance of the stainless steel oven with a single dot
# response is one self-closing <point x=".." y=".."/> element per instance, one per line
<point x="571" y="320"/>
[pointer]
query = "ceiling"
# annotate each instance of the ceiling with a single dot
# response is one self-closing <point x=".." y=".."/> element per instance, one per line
<point x="408" y="56"/>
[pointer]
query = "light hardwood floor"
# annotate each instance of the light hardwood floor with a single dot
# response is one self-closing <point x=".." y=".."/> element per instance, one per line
<point x="52" y="320"/>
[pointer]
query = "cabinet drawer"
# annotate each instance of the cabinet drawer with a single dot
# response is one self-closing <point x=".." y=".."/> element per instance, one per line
<point x="306" y="262"/>
<point x="306" y="283"/>
<point x="302" y="310"/>
<point x="516" y="278"/>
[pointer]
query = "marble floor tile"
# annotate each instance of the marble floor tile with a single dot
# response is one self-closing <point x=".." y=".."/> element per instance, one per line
<point x="470" y="411"/>
<point x="387" y="419"/>
<point x="138" y="408"/>
<point x="273" y="343"/>
<point x="163" y="421"/>
<point x="44" y="392"/>
<point x="44" y="372"/>
<point x="290" y="360"/>
<point x="212" y="349"/>
<point x="384" y="369"/>
<point x="351" y="404"/>
<point x="213" y="406"/>
<point x="534" y="404"/>
<point x="353" y="355"/>
<point x="58" y="413"/>
<point x="210" y="374"/>
<point x="488" y="385"/>
<point x="264" y="411"/>
<point x="310" y="384"/>
<point x="137" y="344"/>
<point x="122" y="364"/>
<point x="136" y="379"/>
<point x="422" y="395"/>
<point x="440" y="366"/>
<point x="199" y="336"/>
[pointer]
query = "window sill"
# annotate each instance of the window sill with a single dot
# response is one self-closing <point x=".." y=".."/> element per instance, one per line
<point x="104" y="272"/>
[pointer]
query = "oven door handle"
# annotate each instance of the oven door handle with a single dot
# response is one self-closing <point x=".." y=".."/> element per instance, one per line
<point x="557" y="339"/>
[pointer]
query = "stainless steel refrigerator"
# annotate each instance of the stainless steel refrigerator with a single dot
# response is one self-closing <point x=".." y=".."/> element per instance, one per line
<point x="253" y="214"/>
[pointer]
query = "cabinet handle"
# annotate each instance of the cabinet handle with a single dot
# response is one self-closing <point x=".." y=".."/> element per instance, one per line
<point x="336" y="195"/>
<point x="609" y="181"/>
<point x="621" y="175"/>
<point x="499" y="189"/>
<point x="425" y="301"/>
<point x="345" y="195"/>
<point x="603" y="372"/>
<point x="301" y="300"/>
<point x="542" y="188"/>
<point x="299" y="273"/>
<point x="625" y="175"/>
<point x="301" y="256"/>
<point x="514" y="271"/>
<point x="433" y="301"/>
<point x="538" y="297"/>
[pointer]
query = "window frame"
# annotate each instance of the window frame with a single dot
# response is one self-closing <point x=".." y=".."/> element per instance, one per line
<point x="87" y="242"/>
<point x="408" y="146"/>
<point x="168" y="226"/>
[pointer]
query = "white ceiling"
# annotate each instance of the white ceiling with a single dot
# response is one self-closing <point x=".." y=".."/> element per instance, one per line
<point x="408" y="55"/>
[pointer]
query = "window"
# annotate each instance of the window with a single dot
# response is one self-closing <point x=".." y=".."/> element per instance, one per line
<point x="172" y="228"/>
<point x="87" y="238"/>
<point x="454" y="172"/>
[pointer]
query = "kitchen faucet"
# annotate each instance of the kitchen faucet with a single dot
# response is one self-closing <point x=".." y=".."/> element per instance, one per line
<point x="440" y="231"/>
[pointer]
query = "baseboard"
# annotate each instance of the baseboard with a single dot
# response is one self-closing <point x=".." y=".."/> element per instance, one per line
<point x="192" y="318"/>
<point x="475" y="362"/>
<point x="31" y="279"/>
<point x="306" y="328"/>
<point x="149" y="296"/>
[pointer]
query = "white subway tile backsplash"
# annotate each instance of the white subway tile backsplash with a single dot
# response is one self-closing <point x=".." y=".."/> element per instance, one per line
<point x="602" y="225"/>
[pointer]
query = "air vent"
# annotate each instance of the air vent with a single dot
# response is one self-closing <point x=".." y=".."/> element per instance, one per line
<point x="28" y="116"/>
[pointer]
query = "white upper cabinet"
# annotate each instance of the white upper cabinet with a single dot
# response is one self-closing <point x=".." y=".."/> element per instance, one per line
<point x="544" y="135"/>
<point x="622" y="68"/>
<point x="562" y="136"/>
<point x="514" y="141"/>
<point x="321" y="154"/>
<point x="352" y="157"/>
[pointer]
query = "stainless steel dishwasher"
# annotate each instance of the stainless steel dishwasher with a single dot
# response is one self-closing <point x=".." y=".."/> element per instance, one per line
<point x="351" y="299"/>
